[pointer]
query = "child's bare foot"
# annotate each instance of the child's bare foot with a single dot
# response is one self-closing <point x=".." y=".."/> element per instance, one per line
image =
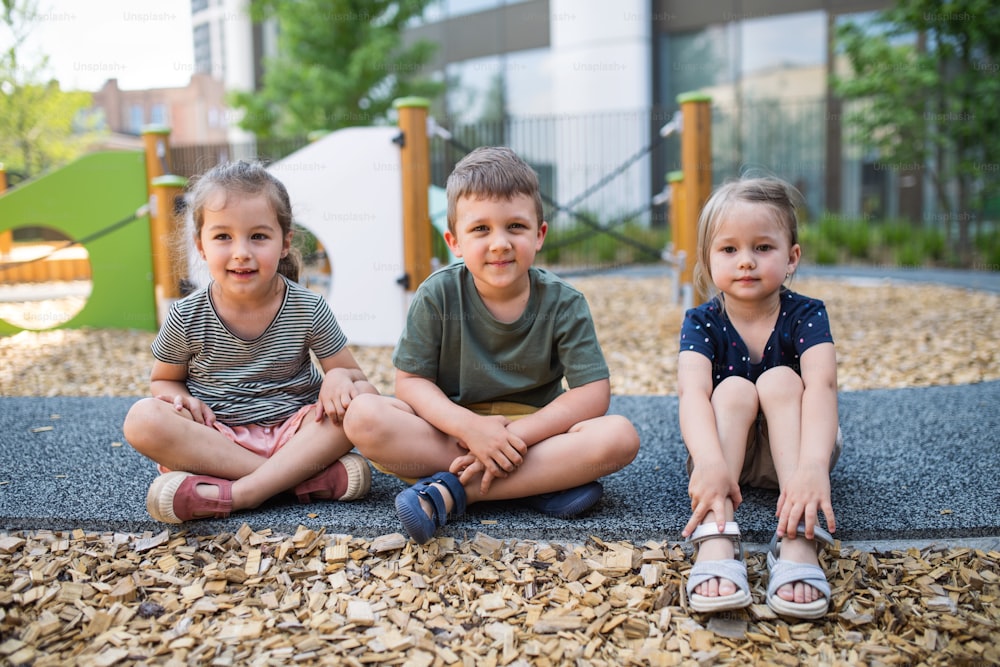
<point x="713" y="549"/>
<point x="797" y="585"/>
<point x="718" y="579"/>
<point x="799" y="550"/>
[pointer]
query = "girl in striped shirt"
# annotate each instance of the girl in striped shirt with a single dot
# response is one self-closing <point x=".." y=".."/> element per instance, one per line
<point x="240" y="412"/>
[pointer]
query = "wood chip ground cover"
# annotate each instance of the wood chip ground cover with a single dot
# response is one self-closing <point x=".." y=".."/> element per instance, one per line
<point x="258" y="598"/>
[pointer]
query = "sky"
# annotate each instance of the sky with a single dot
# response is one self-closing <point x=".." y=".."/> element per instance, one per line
<point x="142" y="43"/>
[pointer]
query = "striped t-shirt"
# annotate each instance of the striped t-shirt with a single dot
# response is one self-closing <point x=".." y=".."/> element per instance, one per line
<point x="260" y="381"/>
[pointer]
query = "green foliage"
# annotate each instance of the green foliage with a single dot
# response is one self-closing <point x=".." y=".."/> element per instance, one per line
<point x="838" y="240"/>
<point x="988" y="248"/>
<point x="341" y="63"/>
<point x="41" y="126"/>
<point x="580" y="245"/>
<point x="925" y="79"/>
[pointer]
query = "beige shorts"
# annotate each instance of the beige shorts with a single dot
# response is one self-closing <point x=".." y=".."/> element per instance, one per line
<point x="758" y="465"/>
<point x="512" y="411"/>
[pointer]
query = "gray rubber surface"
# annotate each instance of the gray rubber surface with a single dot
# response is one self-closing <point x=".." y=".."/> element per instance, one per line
<point x="919" y="465"/>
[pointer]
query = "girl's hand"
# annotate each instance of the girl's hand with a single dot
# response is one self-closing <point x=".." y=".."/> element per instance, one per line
<point x="336" y="393"/>
<point x="802" y="499"/>
<point x="709" y="488"/>
<point x="499" y="451"/>
<point x="199" y="412"/>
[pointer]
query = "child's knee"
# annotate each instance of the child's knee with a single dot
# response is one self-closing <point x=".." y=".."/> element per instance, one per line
<point x="626" y="438"/>
<point x="363" y="417"/>
<point x="736" y="395"/>
<point x="779" y="383"/>
<point x="140" y="418"/>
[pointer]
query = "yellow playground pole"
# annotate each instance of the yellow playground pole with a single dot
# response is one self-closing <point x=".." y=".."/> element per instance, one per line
<point x="163" y="188"/>
<point x="416" y="180"/>
<point x="696" y="164"/>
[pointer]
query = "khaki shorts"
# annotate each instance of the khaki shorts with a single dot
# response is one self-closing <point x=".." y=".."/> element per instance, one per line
<point x="758" y="465"/>
<point x="512" y="411"/>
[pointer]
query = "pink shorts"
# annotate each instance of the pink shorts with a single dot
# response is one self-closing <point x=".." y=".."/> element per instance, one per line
<point x="262" y="440"/>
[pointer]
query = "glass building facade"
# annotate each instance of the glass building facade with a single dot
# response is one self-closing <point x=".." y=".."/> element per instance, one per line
<point x="765" y="63"/>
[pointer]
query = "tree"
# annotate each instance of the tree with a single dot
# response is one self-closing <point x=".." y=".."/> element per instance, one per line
<point x="340" y="63"/>
<point x="926" y="74"/>
<point x="39" y="123"/>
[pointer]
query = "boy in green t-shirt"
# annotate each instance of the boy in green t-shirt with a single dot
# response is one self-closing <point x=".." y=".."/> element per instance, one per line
<point x="480" y="411"/>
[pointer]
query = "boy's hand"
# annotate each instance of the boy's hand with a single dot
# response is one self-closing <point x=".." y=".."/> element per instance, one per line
<point x="499" y="451"/>
<point x="336" y="393"/>
<point x="709" y="488"/>
<point x="802" y="499"/>
<point x="199" y="412"/>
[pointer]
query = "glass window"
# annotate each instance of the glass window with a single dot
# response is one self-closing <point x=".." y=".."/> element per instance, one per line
<point x="529" y="82"/>
<point x="460" y="7"/>
<point x="136" y="118"/>
<point x="158" y="114"/>
<point x="476" y="90"/>
<point x="203" y="48"/>
<point x="695" y="60"/>
<point x="782" y="42"/>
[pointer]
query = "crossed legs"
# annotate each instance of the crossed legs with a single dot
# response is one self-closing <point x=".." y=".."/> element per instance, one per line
<point x="175" y="441"/>
<point x="387" y="431"/>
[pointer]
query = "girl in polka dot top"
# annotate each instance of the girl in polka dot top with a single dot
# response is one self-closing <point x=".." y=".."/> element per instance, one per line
<point x="757" y="387"/>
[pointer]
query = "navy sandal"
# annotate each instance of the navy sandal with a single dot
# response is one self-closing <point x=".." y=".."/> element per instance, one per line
<point x="411" y="513"/>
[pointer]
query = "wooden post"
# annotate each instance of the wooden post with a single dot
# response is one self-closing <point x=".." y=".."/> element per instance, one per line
<point x="416" y="180"/>
<point x="156" y="140"/>
<point x="696" y="163"/>
<point x="166" y="269"/>
<point x="6" y="236"/>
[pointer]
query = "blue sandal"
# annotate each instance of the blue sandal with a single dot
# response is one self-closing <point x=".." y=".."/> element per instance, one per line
<point x="411" y="513"/>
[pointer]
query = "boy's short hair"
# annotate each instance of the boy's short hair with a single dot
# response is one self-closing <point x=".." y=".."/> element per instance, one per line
<point x="492" y="172"/>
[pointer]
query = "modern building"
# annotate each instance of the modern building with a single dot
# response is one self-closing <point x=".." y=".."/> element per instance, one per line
<point x="581" y="88"/>
<point x="231" y="48"/>
<point x="594" y="64"/>
<point x="195" y="113"/>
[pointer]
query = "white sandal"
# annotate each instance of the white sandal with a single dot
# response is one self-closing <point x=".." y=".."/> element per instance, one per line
<point x="734" y="569"/>
<point x="781" y="572"/>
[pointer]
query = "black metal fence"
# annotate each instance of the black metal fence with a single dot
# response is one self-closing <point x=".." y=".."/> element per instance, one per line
<point x="599" y="173"/>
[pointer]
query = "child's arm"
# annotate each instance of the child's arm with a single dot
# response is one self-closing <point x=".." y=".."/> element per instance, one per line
<point x="167" y="383"/>
<point x="343" y="379"/>
<point x="486" y="437"/>
<point x="711" y="482"/>
<point x="570" y="408"/>
<point x="808" y="493"/>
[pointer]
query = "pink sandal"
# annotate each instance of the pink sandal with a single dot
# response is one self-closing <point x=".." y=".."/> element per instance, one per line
<point x="173" y="498"/>
<point x="347" y="478"/>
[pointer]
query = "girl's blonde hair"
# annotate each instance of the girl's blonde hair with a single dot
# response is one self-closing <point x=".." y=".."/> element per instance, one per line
<point x="246" y="178"/>
<point x="777" y="195"/>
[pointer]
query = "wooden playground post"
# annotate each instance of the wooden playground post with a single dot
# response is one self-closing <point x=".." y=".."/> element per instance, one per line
<point x="416" y="180"/>
<point x="680" y="258"/>
<point x="696" y="163"/>
<point x="163" y="187"/>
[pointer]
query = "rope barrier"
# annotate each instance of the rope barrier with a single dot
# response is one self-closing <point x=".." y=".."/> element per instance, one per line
<point x="595" y="227"/>
<point x="139" y="213"/>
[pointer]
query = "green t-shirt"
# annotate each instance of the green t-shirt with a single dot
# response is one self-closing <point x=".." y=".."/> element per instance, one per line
<point x="453" y="340"/>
